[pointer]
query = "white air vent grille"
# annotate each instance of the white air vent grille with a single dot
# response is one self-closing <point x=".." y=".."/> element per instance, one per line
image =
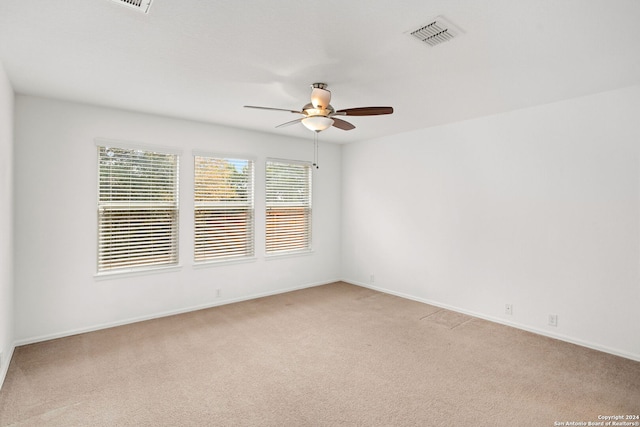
<point x="437" y="31"/>
<point x="140" y="5"/>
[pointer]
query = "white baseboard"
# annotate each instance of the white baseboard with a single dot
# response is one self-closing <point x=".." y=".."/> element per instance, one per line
<point x="220" y="302"/>
<point x="4" y="367"/>
<point x="572" y="340"/>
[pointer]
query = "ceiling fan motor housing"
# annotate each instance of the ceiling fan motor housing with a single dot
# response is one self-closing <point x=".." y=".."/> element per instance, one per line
<point x="310" y="110"/>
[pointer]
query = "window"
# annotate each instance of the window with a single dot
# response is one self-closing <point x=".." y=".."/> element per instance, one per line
<point x="223" y="199"/>
<point x="288" y="203"/>
<point x="137" y="209"/>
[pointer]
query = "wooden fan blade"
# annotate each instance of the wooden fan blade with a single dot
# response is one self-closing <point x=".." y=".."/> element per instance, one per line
<point x="274" y="109"/>
<point x="342" y="124"/>
<point x="292" y="122"/>
<point x="365" y="111"/>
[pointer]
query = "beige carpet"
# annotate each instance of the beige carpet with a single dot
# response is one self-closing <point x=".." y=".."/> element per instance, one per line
<point x="327" y="356"/>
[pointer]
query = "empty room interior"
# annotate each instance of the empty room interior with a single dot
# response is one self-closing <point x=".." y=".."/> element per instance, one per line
<point x="319" y="213"/>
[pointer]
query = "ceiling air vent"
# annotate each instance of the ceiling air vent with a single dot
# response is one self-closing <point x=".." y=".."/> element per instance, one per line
<point x="437" y="31"/>
<point x="140" y="5"/>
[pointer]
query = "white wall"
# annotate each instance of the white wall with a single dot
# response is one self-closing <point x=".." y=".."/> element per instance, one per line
<point x="538" y="208"/>
<point x="55" y="220"/>
<point x="6" y="222"/>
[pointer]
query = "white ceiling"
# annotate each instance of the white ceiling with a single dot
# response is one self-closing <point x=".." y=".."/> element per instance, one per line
<point x="204" y="60"/>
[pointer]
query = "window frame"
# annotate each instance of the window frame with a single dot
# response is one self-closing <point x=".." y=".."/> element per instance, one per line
<point x="250" y="207"/>
<point x="135" y="268"/>
<point x="308" y="211"/>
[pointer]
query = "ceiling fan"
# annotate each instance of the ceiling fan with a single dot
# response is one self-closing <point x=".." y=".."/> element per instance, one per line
<point x="319" y="115"/>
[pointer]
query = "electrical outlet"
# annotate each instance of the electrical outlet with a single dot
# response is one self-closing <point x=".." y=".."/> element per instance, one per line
<point x="372" y="278"/>
<point x="508" y="309"/>
<point x="553" y="320"/>
<point x="0" y="359"/>
<point x="217" y="293"/>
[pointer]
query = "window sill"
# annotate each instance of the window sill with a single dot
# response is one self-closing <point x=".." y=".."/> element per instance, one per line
<point x="222" y="262"/>
<point x="108" y="275"/>
<point x="270" y="257"/>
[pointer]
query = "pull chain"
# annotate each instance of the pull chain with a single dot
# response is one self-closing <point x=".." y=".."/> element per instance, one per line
<point x="315" y="149"/>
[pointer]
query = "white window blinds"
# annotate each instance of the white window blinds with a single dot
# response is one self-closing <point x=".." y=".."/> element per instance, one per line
<point x="288" y="207"/>
<point x="137" y="209"/>
<point x="224" y="213"/>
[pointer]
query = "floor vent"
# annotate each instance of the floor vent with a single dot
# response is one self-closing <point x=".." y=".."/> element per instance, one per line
<point x="139" y="5"/>
<point x="437" y="31"/>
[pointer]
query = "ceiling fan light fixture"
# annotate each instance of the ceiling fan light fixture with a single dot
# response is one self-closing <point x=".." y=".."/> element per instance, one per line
<point x="317" y="123"/>
<point x="320" y="96"/>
